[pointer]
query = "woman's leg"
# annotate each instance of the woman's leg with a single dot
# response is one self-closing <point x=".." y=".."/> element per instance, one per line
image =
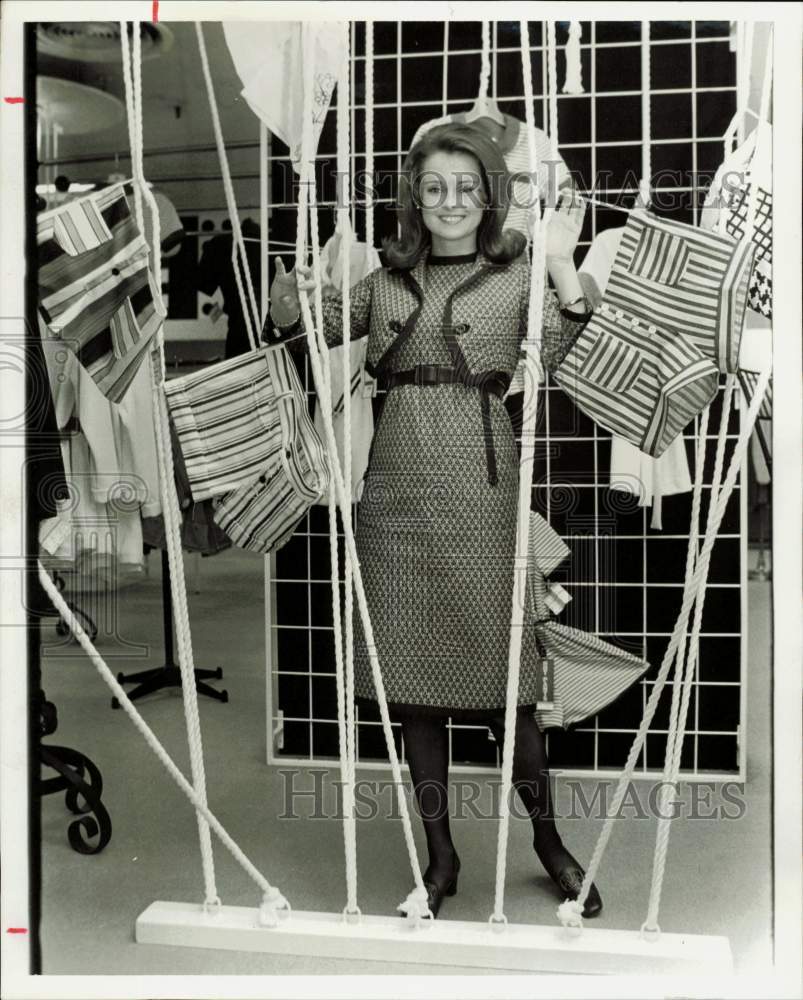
<point x="532" y="782"/>
<point x="426" y="745"/>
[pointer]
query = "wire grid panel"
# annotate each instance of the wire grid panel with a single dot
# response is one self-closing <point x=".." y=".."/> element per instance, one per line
<point x="625" y="578"/>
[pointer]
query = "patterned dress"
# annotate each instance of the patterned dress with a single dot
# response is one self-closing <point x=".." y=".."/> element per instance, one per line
<point x="435" y="537"/>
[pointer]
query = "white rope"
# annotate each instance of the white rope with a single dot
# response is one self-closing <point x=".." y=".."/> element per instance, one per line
<point x="574" y="66"/>
<point x="684" y="675"/>
<point x="307" y="194"/>
<point x="700" y="575"/>
<point x="646" y="117"/>
<point x="250" y="309"/>
<point x="170" y="507"/>
<point x="532" y="372"/>
<point x="766" y="87"/>
<point x="369" y="131"/>
<point x="485" y="65"/>
<point x="75" y="627"/>
<point x="345" y="684"/>
<point x="552" y="84"/>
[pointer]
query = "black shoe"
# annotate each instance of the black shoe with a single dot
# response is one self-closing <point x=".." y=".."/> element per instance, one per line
<point x="570" y="881"/>
<point x="436" y="893"/>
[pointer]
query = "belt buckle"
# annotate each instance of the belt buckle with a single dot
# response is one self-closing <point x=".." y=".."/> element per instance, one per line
<point x="419" y="374"/>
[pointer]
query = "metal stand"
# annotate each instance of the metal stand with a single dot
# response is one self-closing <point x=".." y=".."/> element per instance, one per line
<point x="168" y="675"/>
<point x="80" y="778"/>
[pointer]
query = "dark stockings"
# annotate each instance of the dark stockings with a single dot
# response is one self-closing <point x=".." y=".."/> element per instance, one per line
<point x="426" y="745"/>
<point x="531" y="781"/>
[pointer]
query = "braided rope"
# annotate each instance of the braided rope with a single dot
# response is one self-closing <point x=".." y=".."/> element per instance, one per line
<point x="532" y="374"/>
<point x="250" y="309"/>
<point x="307" y="195"/>
<point x="700" y="574"/>
<point x="345" y="685"/>
<point x="369" y="132"/>
<point x="147" y="733"/>
<point x="485" y="66"/>
<point x="684" y="679"/>
<point x="552" y="87"/>
<point x="752" y="202"/>
<point x="169" y="498"/>
<point x="646" y="117"/>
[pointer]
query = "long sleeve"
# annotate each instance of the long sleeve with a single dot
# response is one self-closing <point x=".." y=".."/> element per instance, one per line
<point x="361" y="295"/>
<point x="558" y="333"/>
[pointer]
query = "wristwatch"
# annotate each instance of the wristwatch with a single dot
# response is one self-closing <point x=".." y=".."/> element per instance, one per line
<point x="567" y="313"/>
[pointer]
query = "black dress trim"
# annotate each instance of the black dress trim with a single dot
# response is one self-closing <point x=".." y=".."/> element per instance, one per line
<point x="463" y="258"/>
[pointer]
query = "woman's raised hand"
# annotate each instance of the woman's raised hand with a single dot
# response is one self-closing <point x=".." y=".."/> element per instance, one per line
<point x="563" y="227"/>
<point x="286" y="290"/>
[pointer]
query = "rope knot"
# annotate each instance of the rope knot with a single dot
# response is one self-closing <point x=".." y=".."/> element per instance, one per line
<point x="570" y="914"/>
<point x="274" y="907"/>
<point x="416" y="907"/>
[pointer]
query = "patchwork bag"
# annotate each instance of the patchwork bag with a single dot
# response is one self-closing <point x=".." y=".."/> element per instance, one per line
<point x="247" y="439"/>
<point x="96" y="290"/>
<point x="727" y="204"/>
<point x="669" y="322"/>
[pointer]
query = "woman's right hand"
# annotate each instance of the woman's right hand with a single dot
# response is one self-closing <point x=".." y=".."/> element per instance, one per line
<point x="285" y="292"/>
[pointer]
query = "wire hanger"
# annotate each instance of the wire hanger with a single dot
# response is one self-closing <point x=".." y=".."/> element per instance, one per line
<point x="485" y="107"/>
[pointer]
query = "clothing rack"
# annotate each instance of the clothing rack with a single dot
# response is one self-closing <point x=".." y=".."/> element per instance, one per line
<point x="169" y="674"/>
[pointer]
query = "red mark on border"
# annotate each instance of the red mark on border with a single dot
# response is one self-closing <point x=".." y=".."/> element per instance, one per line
<point x="14" y="100"/>
<point x="17" y="930"/>
<point x="155" y="14"/>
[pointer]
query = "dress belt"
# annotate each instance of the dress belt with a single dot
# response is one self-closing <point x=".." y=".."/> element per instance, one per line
<point x="495" y="383"/>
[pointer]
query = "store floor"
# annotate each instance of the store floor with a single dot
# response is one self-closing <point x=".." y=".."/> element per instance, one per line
<point x="718" y="877"/>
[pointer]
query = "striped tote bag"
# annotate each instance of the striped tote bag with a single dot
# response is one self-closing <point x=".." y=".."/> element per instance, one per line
<point x="96" y="290"/>
<point x="236" y="419"/>
<point x="669" y="322"/>
<point x="588" y="673"/>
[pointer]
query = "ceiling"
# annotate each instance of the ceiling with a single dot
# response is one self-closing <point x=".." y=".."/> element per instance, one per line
<point x="175" y="114"/>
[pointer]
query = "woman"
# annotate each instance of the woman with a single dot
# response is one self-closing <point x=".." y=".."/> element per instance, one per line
<point x="436" y="525"/>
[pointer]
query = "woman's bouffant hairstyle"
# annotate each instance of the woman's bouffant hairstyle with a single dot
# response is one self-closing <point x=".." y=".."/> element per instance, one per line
<point x="498" y="247"/>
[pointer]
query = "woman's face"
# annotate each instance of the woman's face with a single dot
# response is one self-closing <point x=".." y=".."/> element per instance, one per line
<point x="452" y="200"/>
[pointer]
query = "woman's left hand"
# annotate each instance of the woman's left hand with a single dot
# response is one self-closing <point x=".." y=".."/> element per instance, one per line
<point x="563" y="228"/>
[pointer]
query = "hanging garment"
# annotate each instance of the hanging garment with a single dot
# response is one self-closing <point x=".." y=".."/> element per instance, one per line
<point x="631" y="470"/>
<point x="216" y="270"/>
<point x="514" y="146"/>
<point x="199" y="533"/>
<point x="108" y="467"/>
<point x="96" y="291"/>
<point x="670" y="320"/>
<point x="268" y="57"/>
<point x="171" y="228"/>
<point x="235" y="419"/>
<point x="649" y="478"/>
<point x="363" y="260"/>
<point x="726" y="207"/>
